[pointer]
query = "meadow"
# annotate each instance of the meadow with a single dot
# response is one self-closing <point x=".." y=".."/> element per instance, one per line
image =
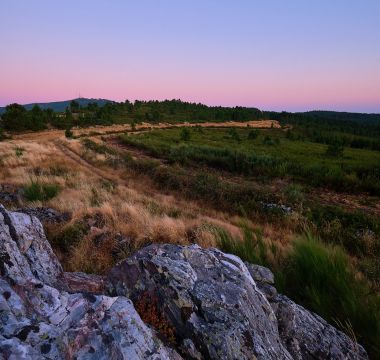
<point x="267" y="154"/>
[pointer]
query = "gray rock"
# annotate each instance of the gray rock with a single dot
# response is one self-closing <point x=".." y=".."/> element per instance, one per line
<point x="38" y="319"/>
<point x="260" y="273"/>
<point x="46" y="215"/>
<point x="25" y="252"/>
<point x="264" y="279"/>
<point x="208" y="297"/>
<point x="9" y="194"/>
<point x="82" y="282"/>
<point x="220" y="308"/>
<point x="307" y="336"/>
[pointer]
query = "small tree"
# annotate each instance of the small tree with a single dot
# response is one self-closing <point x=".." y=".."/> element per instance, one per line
<point x="268" y="140"/>
<point x="185" y="134"/>
<point x="74" y="106"/>
<point x="253" y="134"/>
<point x="335" y="149"/>
<point x="234" y="135"/>
<point x="69" y="134"/>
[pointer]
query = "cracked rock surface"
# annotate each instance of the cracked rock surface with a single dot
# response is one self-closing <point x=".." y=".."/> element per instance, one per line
<point x="222" y="308"/>
<point x="40" y="320"/>
<point x="214" y="305"/>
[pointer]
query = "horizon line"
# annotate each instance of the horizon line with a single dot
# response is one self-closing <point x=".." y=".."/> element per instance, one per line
<point x="191" y="102"/>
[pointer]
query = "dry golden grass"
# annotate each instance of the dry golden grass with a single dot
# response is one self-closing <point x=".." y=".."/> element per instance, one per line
<point x="111" y="203"/>
<point x="53" y="134"/>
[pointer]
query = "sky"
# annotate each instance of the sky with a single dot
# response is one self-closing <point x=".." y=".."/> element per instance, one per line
<point x="292" y="55"/>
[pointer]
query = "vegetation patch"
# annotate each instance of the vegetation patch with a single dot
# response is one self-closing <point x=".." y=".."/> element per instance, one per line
<point x="320" y="277"/>
<point x="148" y="309"/>
<point x="36" y="191"/>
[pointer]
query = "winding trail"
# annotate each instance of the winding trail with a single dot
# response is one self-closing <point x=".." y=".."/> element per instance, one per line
<point x="73" y="156"/>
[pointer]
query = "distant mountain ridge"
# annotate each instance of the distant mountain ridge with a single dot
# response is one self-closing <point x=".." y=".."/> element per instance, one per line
<point x="59" y="106"/>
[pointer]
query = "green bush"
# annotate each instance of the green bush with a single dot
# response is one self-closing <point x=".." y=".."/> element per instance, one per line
<point x="268" y="140"/>
<point x="2" y="135"/>
<point x="335" y="150"/>
<point x="253" y="134"/>
<point x="69" y="134"/>
<point x="98" y="148"/>
<point x="294" y="194"/>
<point x="234" y="135"/>
<point x="68" y="236"/>
<point x="40" y="192"/>
<point x="185" y="134"/>
<point x="19" y="151"/>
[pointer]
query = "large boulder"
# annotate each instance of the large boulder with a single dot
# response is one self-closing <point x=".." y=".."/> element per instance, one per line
<point x="207" y="296"/>
<point x="221" y="308"/>
<point x="40" y="320"/>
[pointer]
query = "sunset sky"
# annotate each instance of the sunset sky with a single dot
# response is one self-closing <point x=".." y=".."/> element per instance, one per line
<point x="290" y="55"/>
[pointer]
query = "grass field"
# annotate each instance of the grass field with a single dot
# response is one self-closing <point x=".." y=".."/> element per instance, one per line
<point x="268" y="153"/>
<point x="218" y="187"/>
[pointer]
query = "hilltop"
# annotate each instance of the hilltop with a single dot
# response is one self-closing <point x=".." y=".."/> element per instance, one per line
<point x="60" y="106"/>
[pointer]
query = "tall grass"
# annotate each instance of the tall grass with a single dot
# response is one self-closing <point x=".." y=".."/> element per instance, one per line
<point x="319" y="277"/>
<point x="251" y="248"/>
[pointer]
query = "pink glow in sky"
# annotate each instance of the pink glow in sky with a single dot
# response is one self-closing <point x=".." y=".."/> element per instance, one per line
<point x="283" y="56"/>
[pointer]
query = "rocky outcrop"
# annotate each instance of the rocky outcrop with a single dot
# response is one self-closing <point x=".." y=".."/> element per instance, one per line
<point x="203" y="303"/>
<point x="227" y="309"/>
<point x="10" y="194"/>
<point x="40" y="320"/>
<point x="208" y="297"/>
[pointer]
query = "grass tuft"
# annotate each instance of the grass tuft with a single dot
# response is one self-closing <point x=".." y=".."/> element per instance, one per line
<point x="36" y="191"/>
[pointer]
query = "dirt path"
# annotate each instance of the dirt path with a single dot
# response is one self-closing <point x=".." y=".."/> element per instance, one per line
<point x="73" y="156"/>
<point x="54" y="134"/>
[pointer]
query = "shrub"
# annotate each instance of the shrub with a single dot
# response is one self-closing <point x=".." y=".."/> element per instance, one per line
<point x="19" y="151"/>
<point x="68" y="236"/>
<point x="253" y="134"/>
<point x="185" y="134"/>
<point x="335" y="150"/>
<point x="199" y="129"/>
<point x="98" y="148"/>
<point x="234" y="135"/>
<point x="40" y="192"/>
<point x="294" y="193"/>
<point x="2" y="135"/>
<point x="69" y="134"/>
<point x="58" y="170"/>
<point x="269" y="141"/>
